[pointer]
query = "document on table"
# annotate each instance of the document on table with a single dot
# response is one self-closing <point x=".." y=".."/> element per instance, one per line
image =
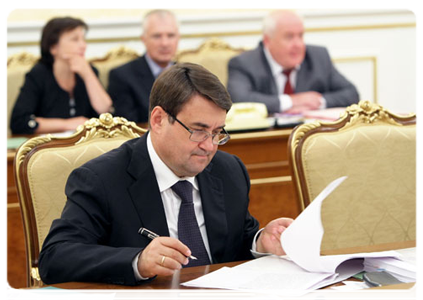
<point x="302" y="269"/>
<point x="302" y="239"/>
<point x="403" y="268"/>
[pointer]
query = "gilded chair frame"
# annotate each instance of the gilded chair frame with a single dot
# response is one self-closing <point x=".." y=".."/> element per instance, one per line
<point x="364" y="112"/>
<point x="209" y="55"/>
<point x="104" y="127"/>
<point x="21" y="59"/>
<point x="212" y="44"/>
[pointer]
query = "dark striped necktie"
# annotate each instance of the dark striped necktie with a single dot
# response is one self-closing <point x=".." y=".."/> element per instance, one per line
<point x="188" y="230"/>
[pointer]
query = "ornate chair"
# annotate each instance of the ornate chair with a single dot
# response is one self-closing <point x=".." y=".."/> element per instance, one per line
<point x="214" y="54"/>
<point x="42" y="166"/>
<point x="376" y="149"/>
<point x="17" y="66"/>
<point x="112" y="59"/>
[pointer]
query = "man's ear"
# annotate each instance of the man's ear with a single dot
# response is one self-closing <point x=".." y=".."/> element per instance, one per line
<point x="265" y="39"/>
<point x="157" y="118"/>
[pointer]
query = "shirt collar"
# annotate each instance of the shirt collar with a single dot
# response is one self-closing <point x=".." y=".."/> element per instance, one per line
<point x="165" y="176"/>
<point x="154" y="67"/>
<point x="274" y="66"/>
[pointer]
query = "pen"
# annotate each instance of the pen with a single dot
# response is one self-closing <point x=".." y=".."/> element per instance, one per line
<point x="216" y="294"/>
<point x="151" y="235"/>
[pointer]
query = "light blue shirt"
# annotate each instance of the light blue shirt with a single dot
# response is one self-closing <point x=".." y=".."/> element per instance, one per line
<point x="154" y="67"/>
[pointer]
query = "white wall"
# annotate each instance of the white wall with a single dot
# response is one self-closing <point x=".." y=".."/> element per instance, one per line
<point x="376" y="49"/>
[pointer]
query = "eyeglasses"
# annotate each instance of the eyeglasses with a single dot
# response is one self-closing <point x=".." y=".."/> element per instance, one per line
<point x="199" y="136"/>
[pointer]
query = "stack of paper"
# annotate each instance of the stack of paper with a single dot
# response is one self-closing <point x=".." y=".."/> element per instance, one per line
<point x="403" y="268"/>
<point x="328" y="114"/>
<point x="302" y="269"/>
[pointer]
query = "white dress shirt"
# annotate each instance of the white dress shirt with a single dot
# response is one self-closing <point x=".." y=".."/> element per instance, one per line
<point x="171" y="203"/>
<point x="280" y="80"/>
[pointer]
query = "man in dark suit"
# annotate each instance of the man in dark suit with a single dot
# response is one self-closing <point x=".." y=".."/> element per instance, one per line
<point x="285" y="74"/>
<point x="111" y="197"/>
<point x="130" y="84"/>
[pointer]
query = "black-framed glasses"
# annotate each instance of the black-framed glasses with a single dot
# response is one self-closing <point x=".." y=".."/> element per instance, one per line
<point x="199" y="136"/>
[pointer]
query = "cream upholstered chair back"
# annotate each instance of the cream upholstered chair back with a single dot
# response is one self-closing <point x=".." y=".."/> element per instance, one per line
<point x="42" y="166"/>
<point x="113" y="59"/>
<point x="214" y="54"/>
<point x="17" y="66"/>
<point x="376" y="149"/>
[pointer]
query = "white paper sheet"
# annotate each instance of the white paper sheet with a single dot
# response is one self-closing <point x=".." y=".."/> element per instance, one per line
<point x="403" y="269"/>
<point x="350" y="285"/>
<point x="271" y="275"/>
<point x="302" y="269"/>
<point x="301" y="240"/>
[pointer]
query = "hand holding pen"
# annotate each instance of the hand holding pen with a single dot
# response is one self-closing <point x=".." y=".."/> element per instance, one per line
<point x="151" y="235"/>
<point x="162" y="256"/>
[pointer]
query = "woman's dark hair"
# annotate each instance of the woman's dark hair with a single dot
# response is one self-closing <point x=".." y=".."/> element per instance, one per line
<point x="52" y="32"/>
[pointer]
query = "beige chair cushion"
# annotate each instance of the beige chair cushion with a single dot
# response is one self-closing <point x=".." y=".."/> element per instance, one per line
<point x="113" y="59"/>
<point x="214" y="55"/>
<point x="48" y="171"/>
<point x="377" y="203"/>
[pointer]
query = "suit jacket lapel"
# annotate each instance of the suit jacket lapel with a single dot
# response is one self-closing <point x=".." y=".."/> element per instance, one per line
<point x="145" y="195"/>
<point x="271" y="83"/>
<point x="212" y="199"/>
<point x="144" y="191"/>
<point x="145" y="76"/>
<point x="304" y="75"/>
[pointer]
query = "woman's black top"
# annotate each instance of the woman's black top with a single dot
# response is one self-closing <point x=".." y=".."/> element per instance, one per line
<point x="41" y="96"/>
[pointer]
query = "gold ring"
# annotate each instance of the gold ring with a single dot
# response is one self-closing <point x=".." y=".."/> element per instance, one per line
<point x="163" y="260"/>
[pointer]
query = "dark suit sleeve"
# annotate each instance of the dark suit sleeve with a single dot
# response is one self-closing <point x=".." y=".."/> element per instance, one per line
<point x="339" y="92"/>
<point x="27" y="102"/>
<point x="76" y="247"/>
<point x="120" y="91"/>
<point x="251" y="225"/>
<point x="248" y="81"/>
<point x="342" y="93"/>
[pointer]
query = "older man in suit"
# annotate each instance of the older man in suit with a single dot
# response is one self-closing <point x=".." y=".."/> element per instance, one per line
<point x="285" y="74"/>
<point x="130" y="84"/>
<point x="139" y="185"/>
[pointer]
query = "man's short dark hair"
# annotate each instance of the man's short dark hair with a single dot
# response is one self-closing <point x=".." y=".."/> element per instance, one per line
<point x="178" y="84"/>
<point x="52" y="32"/>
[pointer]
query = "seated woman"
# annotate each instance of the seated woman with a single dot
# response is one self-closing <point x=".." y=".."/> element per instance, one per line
<point x="62" y="90"/>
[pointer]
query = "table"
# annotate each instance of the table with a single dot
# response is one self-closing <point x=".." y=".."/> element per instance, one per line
<point x="168" y="287"/>
<point x="271" y="196"/>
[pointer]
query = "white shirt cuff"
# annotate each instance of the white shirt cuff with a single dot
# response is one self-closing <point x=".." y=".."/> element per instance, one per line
<point x="135" y="268"/>
<point x="322" y="103"/>
<point x="285" y="102"/>
<point x="254" y="247"/>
